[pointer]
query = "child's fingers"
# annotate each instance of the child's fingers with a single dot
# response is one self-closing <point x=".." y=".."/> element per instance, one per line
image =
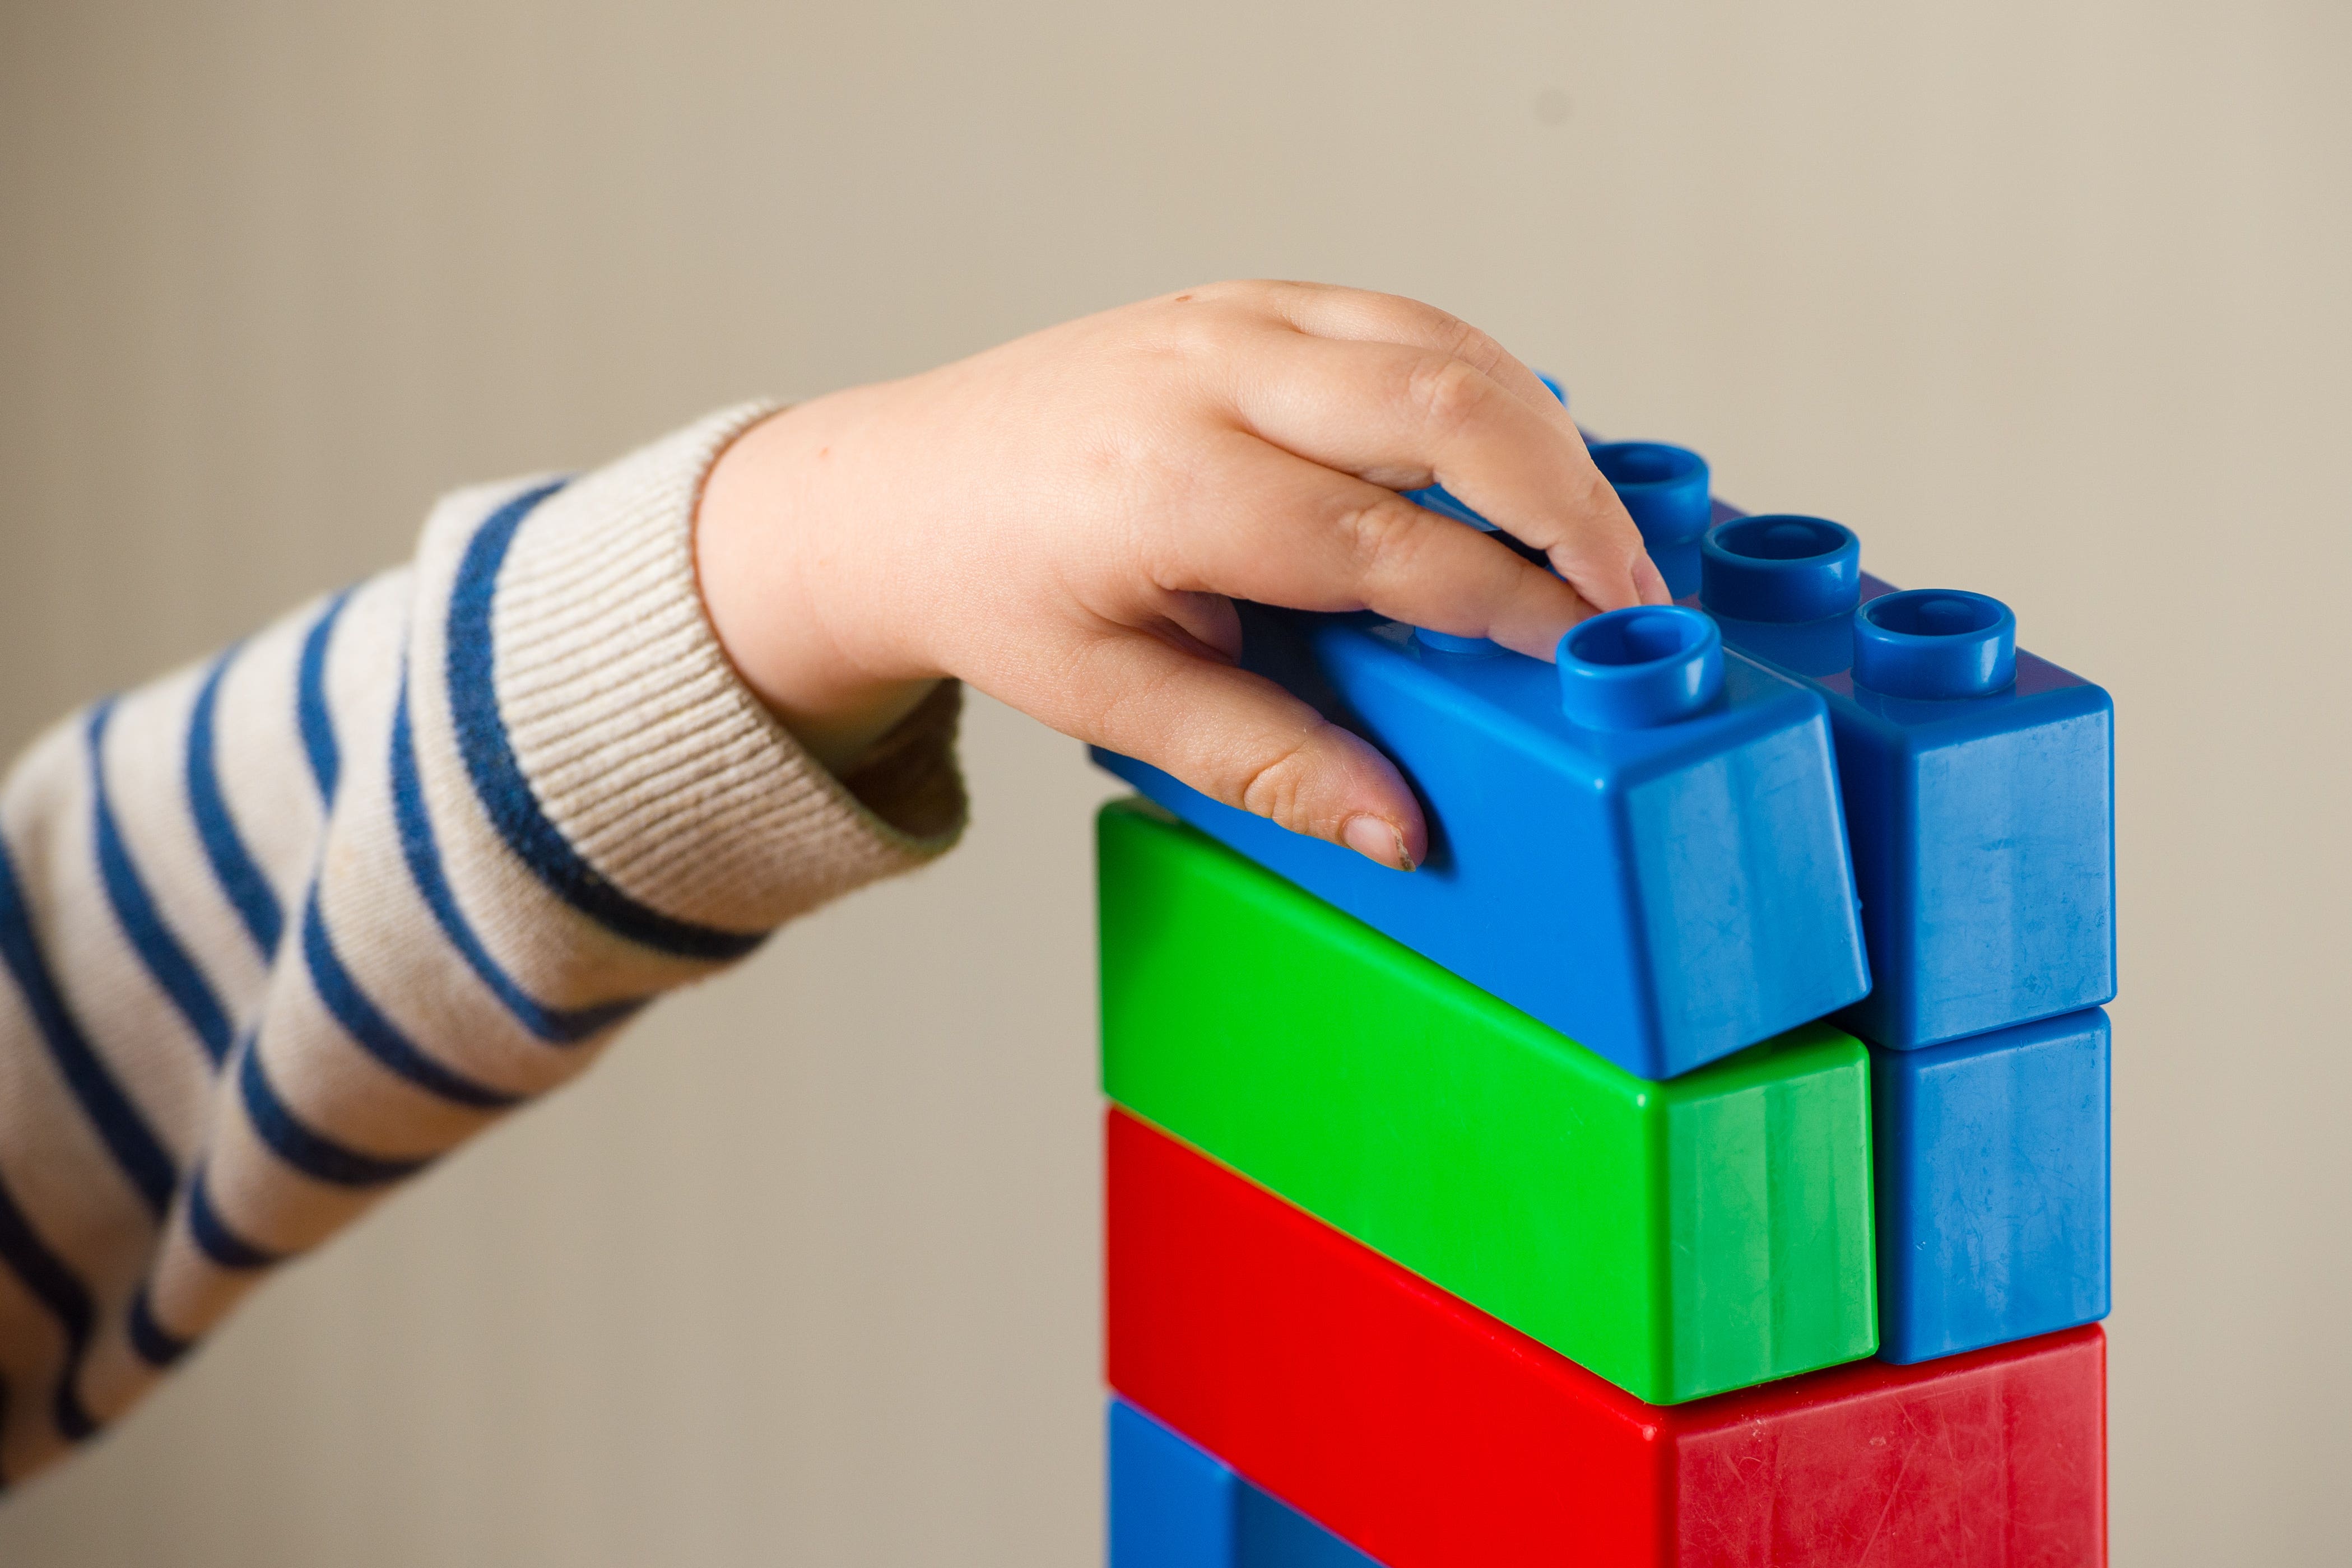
<point x="1264" y="524"/>
<point x="1328" y="310"/>
<point x="1238" y="739"/>
<point x="1400" y="416"/>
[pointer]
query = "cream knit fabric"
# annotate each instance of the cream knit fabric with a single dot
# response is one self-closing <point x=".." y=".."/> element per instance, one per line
<point x="280" y="931"/>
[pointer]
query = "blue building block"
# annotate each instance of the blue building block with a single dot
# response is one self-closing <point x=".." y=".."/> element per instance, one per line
<point x="1175" y="1505"/>
<point x="1979" y="782"/>
<point x="1991" y="1166"/>
<point x="1641" y="847"/>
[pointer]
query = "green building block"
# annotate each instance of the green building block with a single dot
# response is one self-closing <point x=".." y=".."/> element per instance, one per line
<point x="1679" y="1238"/>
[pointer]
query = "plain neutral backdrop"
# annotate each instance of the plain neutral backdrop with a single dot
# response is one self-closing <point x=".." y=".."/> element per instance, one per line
<point x="2047" y="300"/>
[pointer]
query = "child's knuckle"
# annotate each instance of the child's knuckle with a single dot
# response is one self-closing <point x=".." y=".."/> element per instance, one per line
<point x="1380" y="531"/>
<point x="1450" y="393"/>
<point x="1274" y="784"/>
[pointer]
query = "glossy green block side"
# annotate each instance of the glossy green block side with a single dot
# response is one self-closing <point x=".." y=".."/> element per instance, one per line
<point x="1679" y="1238"/>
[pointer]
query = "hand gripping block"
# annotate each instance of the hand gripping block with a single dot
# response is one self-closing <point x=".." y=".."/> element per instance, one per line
<point x="1664" y="892"/>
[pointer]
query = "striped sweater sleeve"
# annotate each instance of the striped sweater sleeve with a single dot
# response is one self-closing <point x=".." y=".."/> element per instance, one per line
<point x="282" y="930"/>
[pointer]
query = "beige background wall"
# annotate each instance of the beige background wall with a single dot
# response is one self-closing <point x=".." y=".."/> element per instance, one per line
<point x="2049" y="300"/>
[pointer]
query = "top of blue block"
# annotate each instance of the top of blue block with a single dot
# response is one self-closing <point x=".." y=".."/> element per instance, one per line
<point x="1976" y="779"/>
<point x="1510" y="696"/>
<point x="1764" y="611"/>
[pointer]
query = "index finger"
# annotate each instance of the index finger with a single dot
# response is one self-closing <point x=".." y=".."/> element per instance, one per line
<point x="1327" y="310"/>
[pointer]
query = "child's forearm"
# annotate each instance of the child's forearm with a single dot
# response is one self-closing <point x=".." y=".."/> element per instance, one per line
<point x="282" y="929"/>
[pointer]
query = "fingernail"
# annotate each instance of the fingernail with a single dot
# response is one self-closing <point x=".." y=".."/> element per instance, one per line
<point x="1376" y="840"/>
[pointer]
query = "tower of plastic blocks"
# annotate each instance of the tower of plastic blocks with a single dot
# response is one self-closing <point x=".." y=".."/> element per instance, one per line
<point x="1702" y="1159"/>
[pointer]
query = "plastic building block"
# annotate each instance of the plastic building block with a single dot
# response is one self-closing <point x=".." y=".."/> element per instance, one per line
<point x="1979" y="782"/>
<point x="1664" y="892"/>
<point x="1175" y="1505"/>
<point x="1431" y="1435"/>
<point x="1992" y="1186"/>
<point x="1678" y="1239"/>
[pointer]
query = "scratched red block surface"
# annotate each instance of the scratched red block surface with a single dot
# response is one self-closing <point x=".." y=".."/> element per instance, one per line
<point x="1430" y="1435"/>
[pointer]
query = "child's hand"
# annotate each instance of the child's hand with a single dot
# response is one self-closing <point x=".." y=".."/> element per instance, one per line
<point x="1064" y="522"/>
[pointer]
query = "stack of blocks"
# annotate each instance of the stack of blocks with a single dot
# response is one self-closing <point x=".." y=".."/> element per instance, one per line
<point x="1702" y="1159"/>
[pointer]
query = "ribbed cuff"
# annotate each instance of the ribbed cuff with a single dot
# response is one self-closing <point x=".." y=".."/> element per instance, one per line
<point x="646" y="751"/>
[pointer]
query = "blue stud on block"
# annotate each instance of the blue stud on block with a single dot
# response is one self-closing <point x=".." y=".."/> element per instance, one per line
<point x="1979" y="782"/>
<point x="1641" y="848"/>
<point x="1991" y="1156"/>
<point x="1173" y="1504"/>
<point x="1665" y="489"/>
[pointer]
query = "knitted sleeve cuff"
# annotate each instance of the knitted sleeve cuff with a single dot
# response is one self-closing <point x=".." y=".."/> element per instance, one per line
<point x="641" y="746"/>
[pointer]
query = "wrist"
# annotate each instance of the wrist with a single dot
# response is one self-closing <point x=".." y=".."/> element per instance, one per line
<point x="776" y="590"/>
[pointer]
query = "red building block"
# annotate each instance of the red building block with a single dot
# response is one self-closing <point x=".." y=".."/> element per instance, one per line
<point x="1430" y="1435"/>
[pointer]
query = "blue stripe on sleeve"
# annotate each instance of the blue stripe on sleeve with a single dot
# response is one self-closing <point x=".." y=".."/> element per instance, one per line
<point x="318" y="722"/>
<point x="134" y="910"/>
<point x="215" y="1236"/>
<point x="56" y="1287"/>
<point x="376" y="1034"/>
<point x="157" y="1346"/>
<point x="124" y="1131"/>
<point x="247" y="891"/>
<point x="560" y="1026"/>
<point x="311" y="1153"/>
<point x="498" y="780"/>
